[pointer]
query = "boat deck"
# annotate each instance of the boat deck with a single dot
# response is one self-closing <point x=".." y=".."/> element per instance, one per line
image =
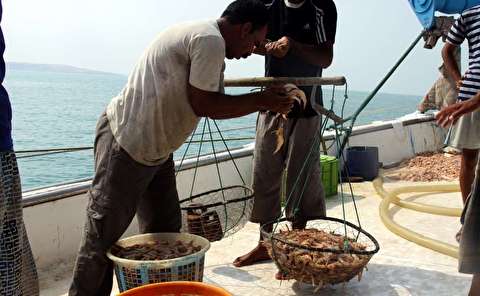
<point x="399" y="268"/>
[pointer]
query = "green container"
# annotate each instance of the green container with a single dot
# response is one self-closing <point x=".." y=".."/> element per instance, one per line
<point x="329" y="166"/>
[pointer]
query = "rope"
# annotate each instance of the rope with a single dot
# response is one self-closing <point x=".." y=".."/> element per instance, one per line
<point x="198" y="158"/>
<point x="185" y="153"/>
<point x="215" y="156"/>
<point x="229" y="130"/>
<point x="225" y="140"/>
<point x="218" y="172"/>
<point x="316" y="138"/>
<point x="230" y="154"/>
<point x="308" y="164"/>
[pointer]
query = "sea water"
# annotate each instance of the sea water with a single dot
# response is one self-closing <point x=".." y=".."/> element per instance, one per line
<point x="59" y="110"/>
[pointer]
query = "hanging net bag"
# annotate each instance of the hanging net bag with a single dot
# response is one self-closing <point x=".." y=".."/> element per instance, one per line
<point x="328" y="250"/>
<point x="321" y="254"/>
<point x="219" y="212"/>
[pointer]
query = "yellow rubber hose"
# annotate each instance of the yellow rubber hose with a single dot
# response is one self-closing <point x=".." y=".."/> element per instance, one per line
<point x="419" y="207"/>
<point x="392" y="197"/>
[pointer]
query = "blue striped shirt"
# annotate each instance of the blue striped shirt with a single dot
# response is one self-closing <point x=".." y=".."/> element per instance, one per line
<point x="467" y="26"/>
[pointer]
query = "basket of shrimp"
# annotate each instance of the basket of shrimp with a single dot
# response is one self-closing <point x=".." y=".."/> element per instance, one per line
<point x="217" y="213"/>
<point x="328" y="251"/>
<point x="158" y="257"/>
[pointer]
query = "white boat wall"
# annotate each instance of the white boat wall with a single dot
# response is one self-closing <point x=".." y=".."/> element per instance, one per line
<point x="54" y="216"/>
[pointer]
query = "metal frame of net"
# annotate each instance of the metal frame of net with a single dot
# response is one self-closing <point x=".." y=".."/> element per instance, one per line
<point x="329" y="250"/>
<point x="216" y="213"/>
<point x="320" y="255"/>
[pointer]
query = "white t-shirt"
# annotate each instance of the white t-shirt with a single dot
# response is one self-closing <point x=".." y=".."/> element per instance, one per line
<point x="152" y="116"/>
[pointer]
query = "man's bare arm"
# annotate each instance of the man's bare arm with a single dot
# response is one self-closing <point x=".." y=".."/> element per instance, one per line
<point x="220" y="106"/>
<point x="448" y="55"/>
<point x="450" y="114"/>
<point x="320" y="55"/>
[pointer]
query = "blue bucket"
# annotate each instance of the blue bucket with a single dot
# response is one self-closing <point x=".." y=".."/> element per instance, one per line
<point x="362" y="161"/>
<point x="425" y="9"/>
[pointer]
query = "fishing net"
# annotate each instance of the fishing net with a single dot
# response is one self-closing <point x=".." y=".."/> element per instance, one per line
<point x="217" y="213"/>
<point x="327" y="250"/>
<point x="320" y="254"/>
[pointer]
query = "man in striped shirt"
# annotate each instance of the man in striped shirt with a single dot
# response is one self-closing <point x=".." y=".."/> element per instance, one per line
<point x="467" y="136"/>
<point x="302" y="34"/>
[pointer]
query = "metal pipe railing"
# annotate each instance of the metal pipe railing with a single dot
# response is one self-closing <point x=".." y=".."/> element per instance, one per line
<point x="353" y="117"/>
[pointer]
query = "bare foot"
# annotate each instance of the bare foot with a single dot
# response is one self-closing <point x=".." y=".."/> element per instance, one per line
<point x="256" y="255"/>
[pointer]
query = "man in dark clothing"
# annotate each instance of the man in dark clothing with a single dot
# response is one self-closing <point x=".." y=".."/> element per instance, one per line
<point x="18" y="275"/>
<point x="303" y="34"/>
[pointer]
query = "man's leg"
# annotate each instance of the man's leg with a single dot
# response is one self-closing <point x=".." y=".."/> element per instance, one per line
<point x="469" y="255"/>
<point x="467" y="171"/>
<point x="159" y="209"/>
<point x="267" y="174"/>
<point x="475" y="287"/>
<point x="118" y="184"/>
<point x="304" y="187"/>
<point x="467" y="176"/>
<point x="304" y="194"/>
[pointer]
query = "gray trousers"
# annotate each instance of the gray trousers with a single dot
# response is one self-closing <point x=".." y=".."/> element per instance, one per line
<point x="121" y="187"/>
<point x="469" y="251"/>
<point x="268" y="168"/>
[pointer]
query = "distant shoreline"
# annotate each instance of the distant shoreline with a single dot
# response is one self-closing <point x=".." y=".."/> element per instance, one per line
<point x="59" y="68"/>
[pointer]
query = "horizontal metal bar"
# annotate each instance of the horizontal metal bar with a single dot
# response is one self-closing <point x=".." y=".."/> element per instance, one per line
<point x="222" y="140"/>
<point x="60" y="191"/>
<point x="53" y="193"/>
<point x="298" y="81"/>
<point x="54" y="149"/>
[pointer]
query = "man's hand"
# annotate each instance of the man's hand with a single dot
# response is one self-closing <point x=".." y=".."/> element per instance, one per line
<point x="458" y="84"/>
<point x="277" y="100"/>
<point x="449" y="115"/>
<point x="279" y="48"/>
<point x="260" y="49"/>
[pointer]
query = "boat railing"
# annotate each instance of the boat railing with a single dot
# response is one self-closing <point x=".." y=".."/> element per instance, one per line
<point x="30" y="153"/>
<point x="52" y="192"/>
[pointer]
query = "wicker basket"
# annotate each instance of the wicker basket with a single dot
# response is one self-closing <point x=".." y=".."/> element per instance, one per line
<point x="324" y="263"/>
<point x="217" y="213"/>
<point x="135" y="273"/>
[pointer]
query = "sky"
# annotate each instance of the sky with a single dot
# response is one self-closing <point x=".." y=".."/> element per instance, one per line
<point x="110" y="35"/>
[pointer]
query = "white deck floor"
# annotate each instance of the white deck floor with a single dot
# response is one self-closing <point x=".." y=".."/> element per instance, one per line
<point x="400" y="268"/>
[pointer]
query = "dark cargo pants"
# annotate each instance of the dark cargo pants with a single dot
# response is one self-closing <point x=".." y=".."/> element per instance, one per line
<point x="121" y="187"/>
